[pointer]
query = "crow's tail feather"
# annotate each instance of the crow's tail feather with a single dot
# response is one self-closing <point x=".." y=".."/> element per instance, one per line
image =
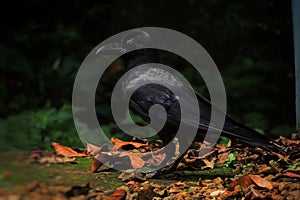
<point x="247" y="135"/>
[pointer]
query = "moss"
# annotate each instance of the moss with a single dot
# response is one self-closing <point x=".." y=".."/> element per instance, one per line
<point x="16" y="169"/>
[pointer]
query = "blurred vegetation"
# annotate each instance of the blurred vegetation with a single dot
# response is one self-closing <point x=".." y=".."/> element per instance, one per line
<point x="43" y="44"/>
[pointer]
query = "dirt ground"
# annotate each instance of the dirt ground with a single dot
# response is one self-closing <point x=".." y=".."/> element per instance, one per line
<point x="225" y="173"/>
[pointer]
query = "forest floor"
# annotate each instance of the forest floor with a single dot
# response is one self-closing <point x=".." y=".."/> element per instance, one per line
<point x="236" y="172"/>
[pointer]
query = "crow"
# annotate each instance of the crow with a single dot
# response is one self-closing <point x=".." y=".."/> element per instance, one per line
<point x="150" y="94"/>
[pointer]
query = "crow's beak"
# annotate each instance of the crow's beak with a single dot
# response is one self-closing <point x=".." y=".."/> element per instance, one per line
<point x="134" y="39"/>
<point x="111" y="49"/>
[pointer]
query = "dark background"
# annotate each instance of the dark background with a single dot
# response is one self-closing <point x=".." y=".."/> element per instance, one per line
<point x="44" y="42"/>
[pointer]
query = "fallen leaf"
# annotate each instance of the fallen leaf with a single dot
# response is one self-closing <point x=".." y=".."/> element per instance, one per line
<point x="5" y="174"/>
<point x="136" y="161"/>
<point x="295" y="136"/>
<point x="25" y="190"/>
<point x="66" y="151"/>
<point x="132" y="183"/>
<point x="119" y="143"/>
<point x="286" y="141"/>
<point x="223" y="157"/>
<point x="217" y="193"/>
<point x="248" y="158"/>
<point x="119" y="194"/>
<point x="221" y="148"/>
<point x="206" y="152"/>
<point x="265" y="169"/>
<point x="32" y="186"/>
<point x="156" y="159"/>
<point x="181" y="184"/>
<point x="261" y="182"/>
<point x="209" y="163"/>
<point x="174" y="190"/>
<point x="244" y="182"/>
<point x="283" y="157"/>
<point x="256" y="194"/>
<point x="92" y="149"/>
<point x="37" y="153"/>
<point x="291" y="174"/>
<point x="56" y="159"/>
<point x="95" y="165"/>
<point x="229" y="194"/>
<point x="277" y="197"/>
<point x="129" y="175"/>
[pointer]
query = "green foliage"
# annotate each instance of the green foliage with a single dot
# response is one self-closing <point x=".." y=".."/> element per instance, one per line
<point x="231" y="162"/>
<point x="276" y="163"/>
<point x="30" y="129"/>
<point x="223" y="141"/>
<point x="294" y="166"/>
<point x="251" y="43"/>
<point x="230" y="159"/>
<point x="245" y="168"/>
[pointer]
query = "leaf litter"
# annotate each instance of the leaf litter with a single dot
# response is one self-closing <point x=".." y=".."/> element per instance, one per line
<point x="256" y="174"/>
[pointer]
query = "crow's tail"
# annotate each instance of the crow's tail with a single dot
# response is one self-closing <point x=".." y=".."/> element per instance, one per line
<point x="234" y="130"/>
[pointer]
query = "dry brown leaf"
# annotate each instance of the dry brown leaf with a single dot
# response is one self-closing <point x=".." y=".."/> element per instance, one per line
<point x="216" y="193"/>
<point x="221" y="148"/>
<point x="21" y="189"/>
<point x="130" y="175"/>
<point x="283" y="157"/>
<point x="295" y="136"/>
<point x="244" y="182"/>
<point x="209" y="163"/>
<point x="261" y="182"/>
<point x="92" y="149"/>
<point x="32" y="186"/>
<point x="56" y="159"/>
<point x="66" y="151"/>
<point x="277" y="197"/>
<point x="135" y="183"/>
<point x="223" y="157"/>
<point x="119" y="194"/>
<point x="119" y="143"/>
<point x="136" y="161"/>
<point x="257" y="194"/>
<point x="37" y="153"/>
<point x="265" y="169"/>
<point x="174" y="190"/>
<point x="95" y="164"/>
<point x="156" y="159"/>
<point x="286" y="141"/>
<point x="206" y="152"/>
<point x="291" y="174"/>
<point x="5" y="174"/>
<point x="248" y="158"/>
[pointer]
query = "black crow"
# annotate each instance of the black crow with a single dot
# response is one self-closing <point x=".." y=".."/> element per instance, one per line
<point x="150" y="94"/>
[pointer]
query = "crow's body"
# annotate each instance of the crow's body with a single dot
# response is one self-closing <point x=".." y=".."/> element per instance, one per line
<point x="145" y="97"/>
<point x="148" y="95"/>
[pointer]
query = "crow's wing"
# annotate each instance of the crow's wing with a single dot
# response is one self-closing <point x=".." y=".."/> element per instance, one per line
<point x="146" y="96"/>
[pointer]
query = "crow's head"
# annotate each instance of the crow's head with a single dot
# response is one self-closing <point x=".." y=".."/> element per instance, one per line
<point x="133" y="46"/>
